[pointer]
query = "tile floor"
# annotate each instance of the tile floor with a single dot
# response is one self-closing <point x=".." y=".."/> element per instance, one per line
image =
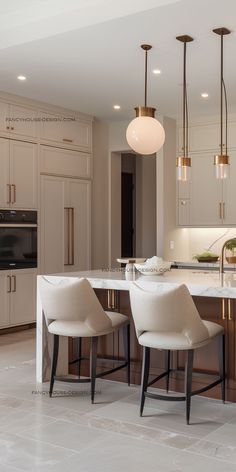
<point x="68" y="433"/>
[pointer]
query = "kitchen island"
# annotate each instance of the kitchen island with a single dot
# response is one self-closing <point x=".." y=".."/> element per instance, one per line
<point x="214" y="298"/>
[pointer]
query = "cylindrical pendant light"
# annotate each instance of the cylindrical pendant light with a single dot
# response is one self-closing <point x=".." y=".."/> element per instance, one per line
<point x="145" y="135"/>
<point x="221" y="161"/>
<point x="183" y="163"/>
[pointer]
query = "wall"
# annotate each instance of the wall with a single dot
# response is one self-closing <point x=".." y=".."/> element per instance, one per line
<point x="100" y="195"/>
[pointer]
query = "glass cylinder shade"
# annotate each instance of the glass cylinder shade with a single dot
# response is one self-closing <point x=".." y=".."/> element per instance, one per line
<point x="183" y="173"/>
<point x="145" y="135"/>
<point x="222" y="166"/>
<point x="183" y="168"/>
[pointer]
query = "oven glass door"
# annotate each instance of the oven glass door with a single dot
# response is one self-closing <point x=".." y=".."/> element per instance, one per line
<point x="18" y="247"/>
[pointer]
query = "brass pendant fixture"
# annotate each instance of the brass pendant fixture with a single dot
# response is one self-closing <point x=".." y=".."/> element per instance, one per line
<point x="221" y="161"/>
<point x="183" y="163"/>
<point x="145" y="135"/>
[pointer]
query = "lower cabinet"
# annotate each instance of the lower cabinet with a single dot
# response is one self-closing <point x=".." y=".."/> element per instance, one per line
<point x="18" y="297"/>
<point x="221" y="311"/>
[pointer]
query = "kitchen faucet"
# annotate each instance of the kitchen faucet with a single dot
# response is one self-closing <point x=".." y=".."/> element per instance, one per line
<point x="221" y="267"/>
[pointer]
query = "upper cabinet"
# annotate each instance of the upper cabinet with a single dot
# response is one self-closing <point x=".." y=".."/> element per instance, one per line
<point x="18" y="121"/>
<point x="206" y="137"/>
<point x="66" y="131"/>
<point x="204" y="200"/>
<point x="18" y="174"/>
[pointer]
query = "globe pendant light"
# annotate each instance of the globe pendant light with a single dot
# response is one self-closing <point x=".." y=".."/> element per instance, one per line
<point x="145" y="135"/>
<point x="183" y="163"/>
<point x="221" y="161"/>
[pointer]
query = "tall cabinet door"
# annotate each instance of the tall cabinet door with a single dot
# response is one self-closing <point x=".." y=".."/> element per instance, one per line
<point x="23" y="174"/>
<point x="77" y="225"/>
<point x="4" y="173"/>
<point x="52" y="224"/>
<point x="205" y="192"/>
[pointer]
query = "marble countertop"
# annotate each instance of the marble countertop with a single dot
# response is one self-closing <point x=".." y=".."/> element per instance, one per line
<point x="200" y="283"/>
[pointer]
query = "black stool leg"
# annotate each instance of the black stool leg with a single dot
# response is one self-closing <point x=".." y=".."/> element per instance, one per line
<point x="93" y="363"/>
<point x="144" y="379"/>
<point x="126" y="338"/>
<point x="54" y="362"/>
<point x="79" y="350"/>
<point x="188" y="381"/>
<point x="167" y="362"/>
<point x="222" y="364"/>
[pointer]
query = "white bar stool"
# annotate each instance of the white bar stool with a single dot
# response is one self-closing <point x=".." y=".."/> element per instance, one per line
<point x="170" y="321"/>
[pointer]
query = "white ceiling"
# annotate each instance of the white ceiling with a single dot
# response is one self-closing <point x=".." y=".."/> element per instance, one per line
<point x="85" y="54"/>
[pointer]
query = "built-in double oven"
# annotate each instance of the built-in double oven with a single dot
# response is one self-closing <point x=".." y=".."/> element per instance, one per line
<point x="18" y="239"/>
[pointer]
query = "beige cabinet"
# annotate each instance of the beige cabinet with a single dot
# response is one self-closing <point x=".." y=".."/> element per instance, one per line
<point x="18" y="174"/>
<point x="65" y="162"/>
<point x="64" y="224"/>
<point x="67" y="131"/>
<point x="18" y="297"/>
<point x="18" y="121"/>
<point x="206" y="201"/>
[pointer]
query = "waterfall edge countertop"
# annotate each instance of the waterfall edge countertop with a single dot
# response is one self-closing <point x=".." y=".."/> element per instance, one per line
<point x="199" y="283"/>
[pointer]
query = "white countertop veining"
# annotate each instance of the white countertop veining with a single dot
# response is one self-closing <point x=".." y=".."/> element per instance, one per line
<point x="199" y="283"/>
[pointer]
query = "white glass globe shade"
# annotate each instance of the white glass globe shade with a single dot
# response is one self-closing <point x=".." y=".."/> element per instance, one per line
<point x="145" y="135"/>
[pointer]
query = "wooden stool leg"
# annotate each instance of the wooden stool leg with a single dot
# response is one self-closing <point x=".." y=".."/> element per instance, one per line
<point x="222" y="365"/>
<point x="145" y="374"/>
<point x="54" y="362"/>
<point x="126" y="338"/>
<point x="188" y="381"/>
<point x="93" y="363"/>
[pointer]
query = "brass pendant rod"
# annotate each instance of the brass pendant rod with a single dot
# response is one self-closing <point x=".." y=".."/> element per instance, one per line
<point x="145" y="97"/>
<point x="184" y="101"/>
<point x="221" y="95"/>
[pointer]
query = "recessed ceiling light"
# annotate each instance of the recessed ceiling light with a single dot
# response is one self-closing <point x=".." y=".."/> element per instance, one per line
<point x="156" y="71"/>
<point x="204" y="95"/>
<point x="21" y="77"/>
<point x="116" y="107"/>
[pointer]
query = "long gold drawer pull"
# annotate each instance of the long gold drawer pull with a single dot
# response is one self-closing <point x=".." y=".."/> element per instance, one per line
<point x="65" y="140"/>
<point x="220" y="210"/>
<point x="113" y="303"/>
<point x="223" y="210"/>
<point x="14" y="283"/>
<point x="229" y="310"/>
<point x="72" y="236"/>
<point x="13" y="199"/>
<point x="8" y="193"/>
<point x="223" y="309"/>
<point x="108" y="299"/>
<point x="66" y="235"/>
<point x="8" y="284"/>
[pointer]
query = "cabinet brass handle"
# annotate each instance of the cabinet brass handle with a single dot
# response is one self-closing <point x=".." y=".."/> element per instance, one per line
<point x="108" y="299"/>
<point x="8" y="284"/>
<point x="183" y="202"/>
<point x="12" y="127"/>
<point x="223" y="210"/>
<point x="223" y="309"/>
<point x="66" y="140"/>
<point x="8" y="193"/>
<point x="13" y="198"/>
<point x="70" y="236"/>
<point x="14" y="283"/>
<point x="220" y="211"/>
<point x="229" y="310"/>
<point x="8" y="127"/>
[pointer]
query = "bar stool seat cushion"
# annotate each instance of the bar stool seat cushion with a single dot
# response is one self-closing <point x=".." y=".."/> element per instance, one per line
<point x="81" y="329"/>
<point x="178" y="341"/>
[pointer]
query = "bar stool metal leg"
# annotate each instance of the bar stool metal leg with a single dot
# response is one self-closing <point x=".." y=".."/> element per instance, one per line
<point x="93" y="363"/>
<point x="54" y="362"/>
<point x="221" y="342"/>
<point x="167" y="362"/>
<point x="79" y="350"/>
<point x="188" y="381"/>
<point x="126" y="338"/>
<point x="145" y="374"/>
